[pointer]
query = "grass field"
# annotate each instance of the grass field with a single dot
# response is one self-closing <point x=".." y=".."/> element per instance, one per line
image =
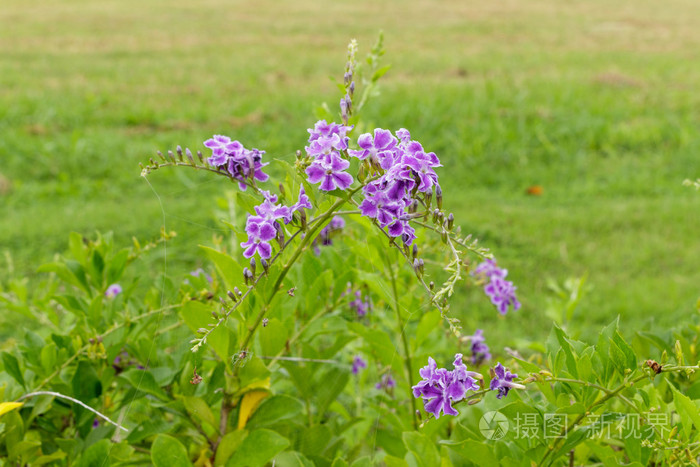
<point x="596" y="103"/>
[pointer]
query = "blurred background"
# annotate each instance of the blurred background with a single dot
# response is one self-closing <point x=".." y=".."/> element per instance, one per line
<point x="565" y="130"/>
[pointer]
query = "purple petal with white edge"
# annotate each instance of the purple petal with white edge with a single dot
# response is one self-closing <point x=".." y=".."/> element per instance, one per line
<point x="265" y="250"/>
<point x="343" y="180"/>
<point x="328" y="183"/>
<point x="267" y="232"/>
<point x="315" y="173"/>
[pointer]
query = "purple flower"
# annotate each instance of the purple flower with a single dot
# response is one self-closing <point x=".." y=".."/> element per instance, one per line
<point x="502" y="294"/>
<point x="357" y="364"/>
<point x="502" y="381"/>
<point x="113" y="290"/>
<point x="329" y="170"/>
<point x="379" y="149"/>
<point x="328" y="131"/>
<point x="336" y="223"/>
<point x="200" y="272"/>
<point x="95" y="423"/>
<point x="377" y="205"/>
<point x="241" y="163"/>
<point x="440" y="387"/>
<point x="267" y="211"/>
<point x="259" y="234"/>
<point x="489" y="269"/>
<point x="360" y="306"/>
<point x="479" y="349"/>
<point x="303" y="201"/>
<point x="387" y="382"/>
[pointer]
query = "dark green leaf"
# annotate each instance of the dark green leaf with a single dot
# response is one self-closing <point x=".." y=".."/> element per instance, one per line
<point x="12" y="368"/>
<point x="167" y="451"/>
<point x="258" y="448"/>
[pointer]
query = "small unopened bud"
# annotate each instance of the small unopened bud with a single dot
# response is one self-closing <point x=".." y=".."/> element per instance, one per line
<point x="415" y="251"/>
<point x="232" y="296"/>
<point x="450" y="221"/>
<point x="171" y="156"/>
<point x="154" y="163"/>
<point x="344" y="110"/>
<point x="188" y="153"/>
<point x="201" y="330"/>
<point x="282" y="192"/>
<point x="264" y="322"/>
<point x="351" y="89"/>
<point x="214" y="315"/>
<point x="418" y="415"/>
<point x="160" y="154"/>
<point x="440" y="217"/>
<point x="265" y="266"/>
<point x="348" y="103"/>
<point x="436" y="213"/>
<point x="443" y="236"/>
<point x="302" y="218"/>
<point x="438" y="196"/>
<point x="92" y="341"/>
<point x="431" y="286"/>
<point x="246" y="275"/>
<point x="200" y="156"/>
<point x="298" y="154"/>
<point x="474" y="401"/>
<point x="347" y="78"/>
<point x="428" y="199"/>
<point x="421" y="265"/>
<point x="416" y="266"/>
<point x="280" y="237"/>
<point x="252" y="265"/>
<point x="237" y="292"/>
<point x="179" y="152"/>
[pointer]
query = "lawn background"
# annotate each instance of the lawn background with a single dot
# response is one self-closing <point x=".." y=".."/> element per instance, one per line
<point x="596" y="103"/>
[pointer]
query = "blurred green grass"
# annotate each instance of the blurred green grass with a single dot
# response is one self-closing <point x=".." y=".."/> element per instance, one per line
<point x="594" y="102"/>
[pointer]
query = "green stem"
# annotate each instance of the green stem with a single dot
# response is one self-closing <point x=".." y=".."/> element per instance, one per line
<point x="406" y="349"/>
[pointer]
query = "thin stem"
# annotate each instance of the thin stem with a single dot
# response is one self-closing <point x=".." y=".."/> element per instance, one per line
<point x="82" y="404"/>
<point x="406" y="348"/>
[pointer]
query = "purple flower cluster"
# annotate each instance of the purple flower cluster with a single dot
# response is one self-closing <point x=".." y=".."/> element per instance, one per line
<point x="479" y="349"/>
<point x="405" y="170"/>
<point x="500" y="291"/>
<point x="387" y="382"/>
<point x="440" y="387"/>
<point x="241" y="163"/>
<point x="264" y="226"/>
<point x="502" y="381"/>
<point x="360" y="306"/>
<point x="336" y="224"/>
<point x="358" y="364"/>
<point x="113" y="290"/>
<point x="326" y="143"/>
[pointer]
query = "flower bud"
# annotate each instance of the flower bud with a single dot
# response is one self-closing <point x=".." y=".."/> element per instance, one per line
<point x="200" y="156"/>
<point x="160" y="154"/>
<point x="188" y="153"/>
<point x="201" y="330"/>
<point x="231" y="295"/>
<point x="438" y="196"/>
<point x="428" y="197"/>
<point x="214" y="315"/>
<point x="421" y="265"/>
<point x="171" y="156"/>
<point x="302" y="218"/>
<point x="179" y="152"/>
<point x="246" y="275"/>
<point x="265" y="266"/>
<point x="416" y="266"/>
<point x="344" y="110"/>
<point x="450" y="221"/>
<point x="264" y="322"/>
<point x="282" y="193"/>
<point x="431" y="286"/>
<point x="252" y="265"/>
<point x="415" y="251"/>
<point x="351" y="89"/>
<point x="436" y="212"/>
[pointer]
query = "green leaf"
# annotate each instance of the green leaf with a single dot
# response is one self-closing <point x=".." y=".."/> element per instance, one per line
<point x="328" y="386"/>
<point x="167" y="451"/>
<point x="200" y="410"/>
<point x="380" y="72"/>
<point x="292" y="459"/>
<point x="227" y="267"/>
<point x="427" y="323"/>
<point x="470" y="450"/>
<point x="116" y="266"/>
<point x="198" y="315"/>
<point x="274" y="410"/>
<point x="12" y="368"/>
<point x="97" y="454"/>
<point x="258" y="448"/>
<point x="314" y="440"/>
<point x="687" y="409"/>
<point x="628" y="352"/>
<point x="228" y="446"/>
<point x="144" y="381"/>
<point x="422" y="448"/>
